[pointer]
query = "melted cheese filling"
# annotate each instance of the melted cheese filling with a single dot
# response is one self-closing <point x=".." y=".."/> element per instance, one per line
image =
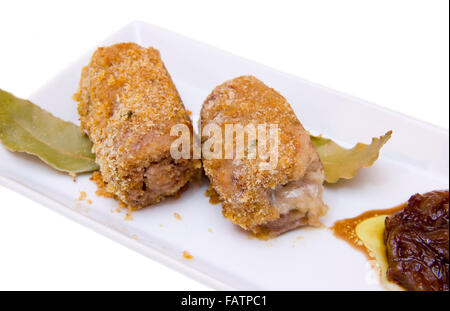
<point x="303" y="195"/>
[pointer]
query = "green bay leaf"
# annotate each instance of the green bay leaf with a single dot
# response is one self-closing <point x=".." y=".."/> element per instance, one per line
<point x="25" y="127"/>
<point x="339" y="162"/>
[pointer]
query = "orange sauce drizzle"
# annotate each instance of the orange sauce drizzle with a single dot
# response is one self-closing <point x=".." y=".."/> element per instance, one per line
<point x="345" y="229"/>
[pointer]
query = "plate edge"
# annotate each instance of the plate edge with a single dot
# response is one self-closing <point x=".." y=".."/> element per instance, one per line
<point x="100" y="228"/>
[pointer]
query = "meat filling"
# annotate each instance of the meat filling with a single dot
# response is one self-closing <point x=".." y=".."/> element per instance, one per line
<point x="159" y="180"/>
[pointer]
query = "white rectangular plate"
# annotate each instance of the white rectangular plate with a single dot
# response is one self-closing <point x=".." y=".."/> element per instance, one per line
<point x="415" y="160"/>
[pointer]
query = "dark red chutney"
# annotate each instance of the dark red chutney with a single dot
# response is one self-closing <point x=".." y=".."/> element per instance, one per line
<point x="417" y="243"/>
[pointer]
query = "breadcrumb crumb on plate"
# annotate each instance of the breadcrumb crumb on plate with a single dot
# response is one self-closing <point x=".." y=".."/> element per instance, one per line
<point x="177" y="216"/>
<point x="82" y="196"/>
<point x="187" y="256"/>
<point x="128" y="215"/>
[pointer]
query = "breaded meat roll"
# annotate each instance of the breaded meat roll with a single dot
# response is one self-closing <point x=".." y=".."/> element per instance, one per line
<point x="127" y="105"/>
<point x="265" y="201"/>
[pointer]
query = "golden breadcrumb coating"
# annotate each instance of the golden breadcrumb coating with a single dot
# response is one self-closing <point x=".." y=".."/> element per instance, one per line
<point x="250" y="195"/>
<point x="128" y="104"/>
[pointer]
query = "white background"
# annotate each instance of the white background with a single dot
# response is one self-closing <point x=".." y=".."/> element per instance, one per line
<point x="393" y="53"/>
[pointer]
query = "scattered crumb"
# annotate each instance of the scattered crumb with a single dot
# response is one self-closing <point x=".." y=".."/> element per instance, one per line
<point x="74" y="176"/>
<point x="82" y="196"/>
<point x="128" y="215"/>
<point x="299" y="238"/>
<point x="210" y="230"/>
<point x="117" y="210"/>
<point x="187" y="256"/>
<point x="134" y="237"/>
<point x="269" y="244"/>
<point x="89" y="202"/>
<point x="111" y="211"/>
<point x="177" y="216"/>
<point x="161" y="225"/>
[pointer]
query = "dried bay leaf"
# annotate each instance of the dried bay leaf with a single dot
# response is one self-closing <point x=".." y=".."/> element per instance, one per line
<point x="339" y="162"/>
<point x="25" y="127"/>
